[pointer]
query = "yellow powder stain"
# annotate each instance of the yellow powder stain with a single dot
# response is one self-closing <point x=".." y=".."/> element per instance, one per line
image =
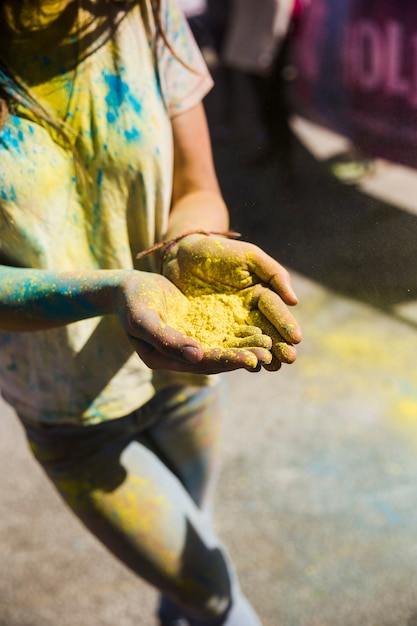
<point x="141" y="513"/>
<point x="402" y="416"/>
<point x="356" y="348"/>
<point x="406" y="411"/>
<point x="125" y="500"/>
<point x="221" y="319"/>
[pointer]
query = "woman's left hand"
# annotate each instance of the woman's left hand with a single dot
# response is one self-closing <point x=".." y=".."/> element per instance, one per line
<point x="218" y="263"/>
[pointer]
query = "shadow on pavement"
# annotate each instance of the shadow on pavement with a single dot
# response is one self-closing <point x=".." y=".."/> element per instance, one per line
<point x="303" y="216"/>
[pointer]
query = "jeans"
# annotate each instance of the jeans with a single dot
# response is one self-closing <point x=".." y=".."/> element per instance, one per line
<point x="143" y="485"/>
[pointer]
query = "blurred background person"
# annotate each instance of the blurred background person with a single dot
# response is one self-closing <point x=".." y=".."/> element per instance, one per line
<point x="197" y="16"/>
<point x="218" y="12"/>
<point x="256" y="44"/>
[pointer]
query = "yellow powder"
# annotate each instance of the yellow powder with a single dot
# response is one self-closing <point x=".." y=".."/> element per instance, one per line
<point x="214" y="320"/>
<point x="220" y="320"/>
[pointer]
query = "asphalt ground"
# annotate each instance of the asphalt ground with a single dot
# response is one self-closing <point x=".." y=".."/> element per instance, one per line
<point x="317" y="498"/>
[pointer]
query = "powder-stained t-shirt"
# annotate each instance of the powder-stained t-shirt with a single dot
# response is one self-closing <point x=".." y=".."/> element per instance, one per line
<point x="118" y="101"/>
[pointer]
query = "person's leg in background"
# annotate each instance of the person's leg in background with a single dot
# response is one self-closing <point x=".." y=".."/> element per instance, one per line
<point x="271" y="92"/>
<point x="130" y="489"/>
<point x="224" y="127"/>
<point x="218" y="12"/>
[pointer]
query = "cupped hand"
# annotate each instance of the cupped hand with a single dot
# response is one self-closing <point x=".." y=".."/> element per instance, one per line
<point x="216" y="263"/>
<point x="143" y="304"/>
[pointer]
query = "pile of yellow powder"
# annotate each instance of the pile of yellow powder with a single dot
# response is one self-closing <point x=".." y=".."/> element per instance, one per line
<point x="216" y="319"/>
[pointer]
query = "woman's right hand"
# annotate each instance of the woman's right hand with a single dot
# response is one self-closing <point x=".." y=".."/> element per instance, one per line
<point x="143" y="302"/>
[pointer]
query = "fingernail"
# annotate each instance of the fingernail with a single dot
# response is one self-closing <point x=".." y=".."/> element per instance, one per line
<point x="191" y="354"/>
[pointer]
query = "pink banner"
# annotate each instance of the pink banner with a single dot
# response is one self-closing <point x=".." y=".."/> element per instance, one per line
<point x="357" y="64"/>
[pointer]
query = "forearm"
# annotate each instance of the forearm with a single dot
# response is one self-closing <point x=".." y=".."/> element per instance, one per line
<point x="197" y="201"/>
<point x="32" y="299"/>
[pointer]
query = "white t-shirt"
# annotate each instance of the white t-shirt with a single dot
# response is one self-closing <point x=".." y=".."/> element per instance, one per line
<point x="192" y="8"/>
<point x="119" y="103"/>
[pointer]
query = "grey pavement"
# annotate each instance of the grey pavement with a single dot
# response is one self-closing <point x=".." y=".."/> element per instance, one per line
<point x="317" y="498"/>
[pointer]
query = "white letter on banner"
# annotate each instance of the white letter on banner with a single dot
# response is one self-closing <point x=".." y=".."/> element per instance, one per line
<point x="413" y="94"/>
<point x="397" y="84"/>
<point x="369" y="53"/>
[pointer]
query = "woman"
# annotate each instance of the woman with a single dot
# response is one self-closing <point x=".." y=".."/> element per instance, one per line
<point x="104" y="151"/>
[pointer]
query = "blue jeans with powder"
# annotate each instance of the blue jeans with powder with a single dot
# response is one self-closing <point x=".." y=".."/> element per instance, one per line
<point x="143" y="485"/>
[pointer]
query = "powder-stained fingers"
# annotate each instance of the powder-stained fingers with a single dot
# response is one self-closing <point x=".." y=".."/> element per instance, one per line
<point x="229" y="359"/>
<point x="282" y="349"/>
<point x="185" y="359"/>
<point x="160" y="345"/>
<point x="273" y="366"/>
<point x="284" y="352"/>
<point x="214" y="360"/>
<point x="271" y="273"/>
<point x="274" y="309"/>
<point x="247" y="331"/>
<point x="257" y="340"/>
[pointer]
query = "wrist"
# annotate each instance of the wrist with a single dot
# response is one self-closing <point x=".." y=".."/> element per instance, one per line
<point x="168" y="247"/>
<point x="102" y="289"/>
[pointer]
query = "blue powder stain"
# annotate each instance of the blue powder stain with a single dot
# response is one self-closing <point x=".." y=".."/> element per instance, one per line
<point x="8" y="138"/>
<point x="13" y="196"/>
<point x="68" y="85"/>
<point x="117" y="91"/>
<point x="46" y="60"/>
<point x="158" y="87"/>
<point x="131" y="135"/>
<point x="99" y="177"/>
<point x="391" y="515"/>
<point x="323" y="467"/>
<point x="4" y="195"/>
<point x="136" y="105"/>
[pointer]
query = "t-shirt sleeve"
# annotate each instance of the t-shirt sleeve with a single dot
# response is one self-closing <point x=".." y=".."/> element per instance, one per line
<point x="184" y="78"/>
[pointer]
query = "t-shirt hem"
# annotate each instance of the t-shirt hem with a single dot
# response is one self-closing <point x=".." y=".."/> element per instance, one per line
<point x="193" y="98"/>
<point x="113" y="410"/>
